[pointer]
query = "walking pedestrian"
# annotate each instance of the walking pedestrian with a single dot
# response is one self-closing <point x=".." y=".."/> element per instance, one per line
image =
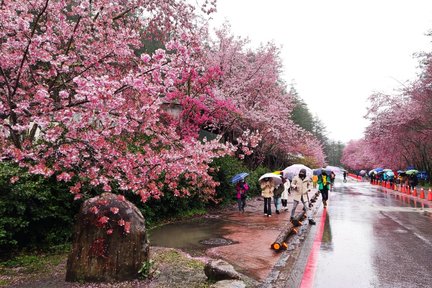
<point x="324" y="186"/>
<point x="242" y="188"/>
<point x="332" y="179"/>
<point x="267" y="188"/>
<point x="314" y="180"/>
<point x="284" y="196"/>
<point x="344" y="176"/>
<point x="277" y="194"/>
<point x="300" y="186"/>
<point x="413" y="181"/>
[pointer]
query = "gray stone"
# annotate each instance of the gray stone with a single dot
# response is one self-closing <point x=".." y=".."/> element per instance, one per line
<point x="220" y="270"/>
<point x="110" y="241"/>
<point x="229" y="284"/>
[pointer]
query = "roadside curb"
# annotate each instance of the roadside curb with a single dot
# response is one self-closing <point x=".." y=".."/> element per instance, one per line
<point x="288" y="270"/>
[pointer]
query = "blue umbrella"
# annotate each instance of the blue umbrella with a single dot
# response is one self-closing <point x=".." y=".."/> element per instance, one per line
<point x="238" y="177"/>
<point x="378" y="169"/>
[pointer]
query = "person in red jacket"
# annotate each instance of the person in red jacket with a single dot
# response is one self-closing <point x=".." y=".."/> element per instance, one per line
<point x="242" y="187"/>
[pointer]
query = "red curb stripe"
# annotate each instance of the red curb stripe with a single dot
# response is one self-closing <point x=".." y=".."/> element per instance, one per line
<point x="309" y="274"/>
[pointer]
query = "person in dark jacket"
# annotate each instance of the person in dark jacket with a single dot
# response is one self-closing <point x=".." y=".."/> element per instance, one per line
<point x="413" y="181"/>
<point x="324" y="183"/>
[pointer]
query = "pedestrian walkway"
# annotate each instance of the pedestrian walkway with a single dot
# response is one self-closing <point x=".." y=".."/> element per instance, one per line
<point x="253" y="234"/>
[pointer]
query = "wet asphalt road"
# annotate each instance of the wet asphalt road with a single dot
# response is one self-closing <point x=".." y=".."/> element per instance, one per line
<point x="373" y="238"/>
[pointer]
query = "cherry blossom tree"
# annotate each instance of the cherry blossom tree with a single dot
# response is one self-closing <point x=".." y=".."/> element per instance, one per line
<point x="250" y="79"/>
<point x="82" y="95"/>
<point x="79" y="101"/>
<point x="400" y="130"/>
<point x="357" y="155"/>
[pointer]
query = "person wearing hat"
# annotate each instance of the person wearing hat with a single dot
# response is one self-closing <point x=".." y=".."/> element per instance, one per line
<point x="300" y="186"/>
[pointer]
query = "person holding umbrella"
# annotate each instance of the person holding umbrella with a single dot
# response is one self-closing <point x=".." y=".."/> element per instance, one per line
<point x="300" y="186"/>
<point x="413" y="180"/>
<point x="267" y="187"/>
<point x="241" y="187"/>
<point x="324" y="182"/>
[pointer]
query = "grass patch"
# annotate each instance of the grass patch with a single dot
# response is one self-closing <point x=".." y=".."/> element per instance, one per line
<point x="175" y="258"/>
<point x="31" y="264"/>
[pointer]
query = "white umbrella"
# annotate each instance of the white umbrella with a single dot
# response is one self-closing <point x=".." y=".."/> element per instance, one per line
<point x="335" y="169"/>
<point x="293" y="170"/>
<point x="276" y="178"/>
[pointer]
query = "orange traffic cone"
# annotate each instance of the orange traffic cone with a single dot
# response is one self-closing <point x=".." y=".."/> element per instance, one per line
<point x="414" y="192"/>
<point x="422" y="195"/>
<point x="430" y="194"/>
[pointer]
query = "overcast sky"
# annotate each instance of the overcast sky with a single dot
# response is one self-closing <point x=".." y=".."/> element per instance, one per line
<point x="337" y="52"/>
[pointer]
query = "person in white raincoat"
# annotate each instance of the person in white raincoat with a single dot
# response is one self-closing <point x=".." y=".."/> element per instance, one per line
<point x="300" y="186"/>
<point x="284" y="197"/>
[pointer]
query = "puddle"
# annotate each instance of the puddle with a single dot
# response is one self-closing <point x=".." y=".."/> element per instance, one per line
<point x="193" y="236"/>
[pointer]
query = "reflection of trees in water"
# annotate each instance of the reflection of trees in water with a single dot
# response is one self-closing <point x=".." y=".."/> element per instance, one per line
<point x="326" y="241"/>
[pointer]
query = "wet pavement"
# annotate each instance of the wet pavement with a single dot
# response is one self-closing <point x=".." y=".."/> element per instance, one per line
<point x="249" y="235"/>
<point x="374" y="237"/>
<point x="369" y="236"/>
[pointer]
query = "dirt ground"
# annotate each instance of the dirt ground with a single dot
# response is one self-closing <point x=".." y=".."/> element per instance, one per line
<point x="251" y="255"/>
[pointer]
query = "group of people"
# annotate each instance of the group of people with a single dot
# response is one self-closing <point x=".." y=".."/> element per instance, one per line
<point x="278" y="191"/>
<point x="398" y="178"/>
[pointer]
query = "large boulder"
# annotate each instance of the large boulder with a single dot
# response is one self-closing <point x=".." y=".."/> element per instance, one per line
<point x="220" y="270"/>
<point x="110" y="241"/>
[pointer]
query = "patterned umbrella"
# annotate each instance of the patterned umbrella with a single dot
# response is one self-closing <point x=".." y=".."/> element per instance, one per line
<point x="238" y="177"/>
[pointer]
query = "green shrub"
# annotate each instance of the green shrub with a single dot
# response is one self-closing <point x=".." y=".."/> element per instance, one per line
<point x="36" y="213"/>
<point x="224" y="169"/>
<point x="168" y="207"/>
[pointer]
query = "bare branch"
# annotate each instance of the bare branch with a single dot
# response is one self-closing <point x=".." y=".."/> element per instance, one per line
<point x="28" y="47"/>
<point x="6" y="80"/>
<point x="72" y="36"/>
<point x="123" y="13"/>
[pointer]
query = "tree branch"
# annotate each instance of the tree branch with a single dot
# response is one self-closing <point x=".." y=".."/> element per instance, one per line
<point x="6" y="80"/>
<point x="123" y="13"/>
<point x="124" y="87"/>
<point x="28" y="47"/>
